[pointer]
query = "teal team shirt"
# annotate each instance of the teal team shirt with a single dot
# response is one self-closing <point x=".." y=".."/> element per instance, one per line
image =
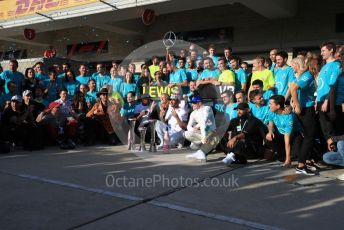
<point x="207" y="73"/>
<point x="267" y="94"/>
<point x="128" y="110"/>
<point x="272" y="68"/>
<point x="191" y="74"/>
<point x="61" y="76"/>
<point x="307" y="89"/>
<point x="283" y="76"/>
<point x="101" y="80"/>
<point x="54" y="88"/>
<point x="83" y="79"/>
<point x="41" y="76"/>
<point x="240" y="78"/>
<point x="230" y="111"/>
<point x="16" y="77"/>
<point x="127" y="87"/>
<point x="136" y="77"/>
<point x="285" y="123"/>
<point x="178" y="76"/>
<point x="91" y="97"/>
<point x="327" y="77"/>
<point x="71" y="87"/>
<point x="116" y="83"/>
<point x="215" y="60"/>
<point x="262" y="113"/>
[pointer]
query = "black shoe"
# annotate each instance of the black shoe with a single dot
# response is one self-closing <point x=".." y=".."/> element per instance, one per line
<point x="304" y="170"/>
<point x="71" y="143"/>
<point x="67" y="145"/>
<point x="240" y="160"/>
<point x="311" y="167"/>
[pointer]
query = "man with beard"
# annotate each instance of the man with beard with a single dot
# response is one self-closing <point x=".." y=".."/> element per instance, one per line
<point x="245" y="137"/>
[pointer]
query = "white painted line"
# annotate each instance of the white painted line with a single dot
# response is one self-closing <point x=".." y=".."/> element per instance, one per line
<point x="229" y="219"/>
<point x="14" y="156"/>
<point x="80" y="187"/>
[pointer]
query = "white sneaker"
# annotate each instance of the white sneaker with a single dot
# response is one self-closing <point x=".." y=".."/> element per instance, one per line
<point x="340" y="177"/>
<point x="194" y="146"/>
<point x="194" y="155"/>
<point x="200" y="155"/>
<point x="179" y="146"/>
<point x="229" y="159"/>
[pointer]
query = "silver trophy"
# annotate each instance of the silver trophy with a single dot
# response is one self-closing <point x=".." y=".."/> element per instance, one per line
<point x="152" y="147"/>
<point x="142" y="131"/>
<point x="131" y="134"/>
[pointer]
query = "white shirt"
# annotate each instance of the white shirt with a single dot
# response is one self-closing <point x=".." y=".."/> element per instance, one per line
<point x="172" y="121"/>
<point x="204" y="119"/>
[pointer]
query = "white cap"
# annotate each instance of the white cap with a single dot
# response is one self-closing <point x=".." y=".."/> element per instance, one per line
<point x="16" y="98"/>
<point x="27" y="92"/>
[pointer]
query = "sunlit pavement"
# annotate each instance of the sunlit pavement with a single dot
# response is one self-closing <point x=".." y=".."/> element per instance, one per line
<point x="105" y="187"/>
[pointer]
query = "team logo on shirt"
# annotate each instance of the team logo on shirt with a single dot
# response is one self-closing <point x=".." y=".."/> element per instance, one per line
<point x="304" y="78"/>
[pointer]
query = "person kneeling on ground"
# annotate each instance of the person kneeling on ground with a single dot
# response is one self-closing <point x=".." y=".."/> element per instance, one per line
<point x="201" y="129"/>
<point x="57" y="127"/>
<point x="174" y="121"/>
<point x="284" y="130"/>
<point x="244" y="137"/>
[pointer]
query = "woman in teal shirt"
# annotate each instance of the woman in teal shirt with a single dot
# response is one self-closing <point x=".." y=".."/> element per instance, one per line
<point x="128" y="85"/>
<point x="71" y="84"/>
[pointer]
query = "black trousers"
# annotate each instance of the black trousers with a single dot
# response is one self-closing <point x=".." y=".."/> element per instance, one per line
<point x="308" y="121"/>
<point x="325" y="123"/>
<point x="278" y="146"/>
<point x="94" y="130"/>
<point x="339" y="122"/>
<point x="243" y="149"/>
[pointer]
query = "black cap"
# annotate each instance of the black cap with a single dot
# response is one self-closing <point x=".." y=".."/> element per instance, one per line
<point x="242" y="106"/>
<point x="145" y="95"/>
<point x="103" y="91"/>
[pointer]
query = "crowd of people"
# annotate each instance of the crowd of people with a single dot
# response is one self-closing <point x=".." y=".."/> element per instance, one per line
<point x="275" y="111"/>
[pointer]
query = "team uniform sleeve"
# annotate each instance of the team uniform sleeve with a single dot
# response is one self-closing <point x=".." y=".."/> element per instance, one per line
<point x="242" y="76"/>
<point x="303" y="81"/>
<point x="270" y="117"/>
<point x="291" y="75"/>
<point x="183" y="75"/>
<point x="202" y="75"/>
<point x="335" y="71"/>
<point x="2" y="75"/>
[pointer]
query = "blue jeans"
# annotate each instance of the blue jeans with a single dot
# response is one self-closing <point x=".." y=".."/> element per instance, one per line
<point x="335" y="158"/>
